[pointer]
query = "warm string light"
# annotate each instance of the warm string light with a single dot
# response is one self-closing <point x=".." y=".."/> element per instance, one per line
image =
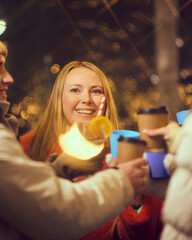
<point x="101" y="106"/>
<point x="3" y="26"/>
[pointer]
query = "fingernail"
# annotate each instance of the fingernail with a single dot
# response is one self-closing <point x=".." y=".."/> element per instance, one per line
<point x="145" y="155"/>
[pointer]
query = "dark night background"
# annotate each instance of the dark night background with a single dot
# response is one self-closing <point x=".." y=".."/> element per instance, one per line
<point x="116" y="35"/>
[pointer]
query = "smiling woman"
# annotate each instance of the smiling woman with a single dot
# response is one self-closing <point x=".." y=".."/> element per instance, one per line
<point x="5" y="77"/>
<point x="75" y="97"/>
<point x="5" y="80"/>
<point x="81" y="95"/>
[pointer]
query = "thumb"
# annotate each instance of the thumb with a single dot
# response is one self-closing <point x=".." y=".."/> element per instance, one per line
<point x="140" y="162"/>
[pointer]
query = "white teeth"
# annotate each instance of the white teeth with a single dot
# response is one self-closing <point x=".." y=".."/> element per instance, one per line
<point x="85" y="111"/>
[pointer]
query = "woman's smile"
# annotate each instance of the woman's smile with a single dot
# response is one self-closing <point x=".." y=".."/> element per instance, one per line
<point x="82" y="94"/>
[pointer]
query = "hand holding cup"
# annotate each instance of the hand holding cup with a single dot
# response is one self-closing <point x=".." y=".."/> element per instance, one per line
<point x="153" y="118"/>
<point x="130" y="149"/>
<point x="138" y="171"/>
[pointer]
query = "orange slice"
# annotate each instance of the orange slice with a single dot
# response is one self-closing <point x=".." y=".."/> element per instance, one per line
<point x="100" y="127"/>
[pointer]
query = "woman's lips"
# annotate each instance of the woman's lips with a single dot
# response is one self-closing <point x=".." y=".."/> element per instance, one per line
<point x="85" y="111"/>
<point x="3" y="95"/>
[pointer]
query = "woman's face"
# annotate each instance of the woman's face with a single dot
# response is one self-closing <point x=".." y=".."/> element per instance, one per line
<point x="82" y="94"/>
<point x="5" y="79"/>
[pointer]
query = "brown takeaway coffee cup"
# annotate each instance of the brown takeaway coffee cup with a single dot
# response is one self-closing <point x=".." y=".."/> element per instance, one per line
<point x="153" y="118"/>
<point x="129" y="149"/>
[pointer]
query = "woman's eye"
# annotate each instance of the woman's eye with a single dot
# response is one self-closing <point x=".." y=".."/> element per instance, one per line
<point x="74" y="90"/>
<point x="98" y="91"/>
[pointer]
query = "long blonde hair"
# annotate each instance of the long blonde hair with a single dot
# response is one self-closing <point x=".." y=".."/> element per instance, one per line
<point x="54" y="122"/>
<point x="3" y="49"/>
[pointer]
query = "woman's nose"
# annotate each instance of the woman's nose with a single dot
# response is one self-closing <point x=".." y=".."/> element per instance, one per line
<point x="7" y="79"/>
<point x="86" y="98"/>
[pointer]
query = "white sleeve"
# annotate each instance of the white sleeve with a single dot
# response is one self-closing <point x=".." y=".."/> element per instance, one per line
<point x="177" y="211"/>
<point x="43" y="206"/>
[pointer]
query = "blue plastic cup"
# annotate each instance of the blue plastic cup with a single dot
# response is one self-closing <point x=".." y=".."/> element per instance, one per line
<point x="114" y="139"/>
<point x="156" y="164"/>
<point x="181" y="116"/>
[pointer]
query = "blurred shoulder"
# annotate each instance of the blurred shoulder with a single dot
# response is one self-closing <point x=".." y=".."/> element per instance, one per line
<point x="188" y="123"/>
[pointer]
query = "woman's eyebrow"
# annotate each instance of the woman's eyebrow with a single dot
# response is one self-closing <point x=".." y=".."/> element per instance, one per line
<point x="97" y="86"/>
<point x="75" y="85"/>
<point x="80" y="85"/>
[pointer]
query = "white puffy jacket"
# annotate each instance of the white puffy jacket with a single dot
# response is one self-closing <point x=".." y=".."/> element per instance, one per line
<point x="40" y="205"/>
<point x="177" y="212"/>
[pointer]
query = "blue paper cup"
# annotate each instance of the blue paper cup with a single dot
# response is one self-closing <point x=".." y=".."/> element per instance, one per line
<point x="114" y="139"/>
<point x="181" y="116"/>
<point x="156" y="164"/>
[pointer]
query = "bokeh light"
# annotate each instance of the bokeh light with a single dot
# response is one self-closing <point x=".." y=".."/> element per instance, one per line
<point x="3" y="26"/>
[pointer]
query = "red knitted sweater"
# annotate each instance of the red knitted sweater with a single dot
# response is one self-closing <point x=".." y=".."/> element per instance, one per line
<point x="130" y="226"/>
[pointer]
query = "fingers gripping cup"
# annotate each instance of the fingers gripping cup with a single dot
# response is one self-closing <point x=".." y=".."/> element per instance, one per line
<point x="114" y="139"/>
<point x="153" y="118"/>
<point x="129" y="149"/>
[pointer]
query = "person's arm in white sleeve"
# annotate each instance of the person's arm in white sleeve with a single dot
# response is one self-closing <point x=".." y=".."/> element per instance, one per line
<point x="177" y="211"/>
<point x="172" y="136"/>
<point x="43" y="206"/>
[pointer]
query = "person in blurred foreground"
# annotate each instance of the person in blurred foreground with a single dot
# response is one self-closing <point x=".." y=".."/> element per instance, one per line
<point x="177" y="212"/>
